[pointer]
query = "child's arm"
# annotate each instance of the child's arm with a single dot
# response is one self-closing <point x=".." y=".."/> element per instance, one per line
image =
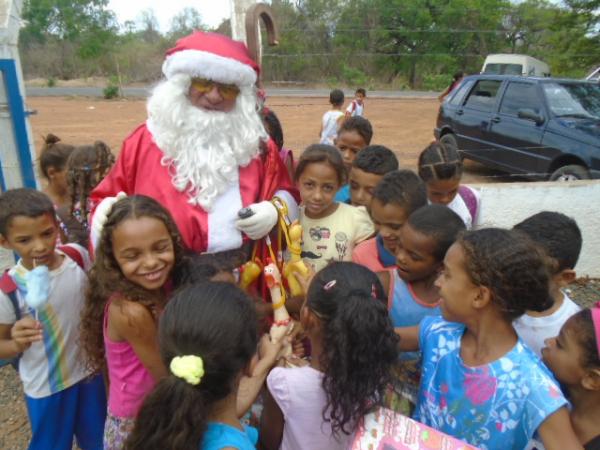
<point x="409" y="338"/>
<point x="271" y="424"/>
<point x="251" y="385"/>
<point x="134" y="323"/>
<point x="384" y="278"/>
<point x="557" y="432"/>
<point x="18" y="337"/>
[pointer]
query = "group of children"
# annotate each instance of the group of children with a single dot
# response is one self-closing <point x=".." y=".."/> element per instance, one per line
<point x="408" y="306"/>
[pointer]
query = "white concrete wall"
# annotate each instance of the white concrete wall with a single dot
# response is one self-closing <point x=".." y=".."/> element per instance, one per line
<point x="506" y="204"/>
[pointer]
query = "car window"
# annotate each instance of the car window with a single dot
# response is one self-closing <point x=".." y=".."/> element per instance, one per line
<point x="577" y="100"/>
<point x="459" y="96"/>
<point x="483" y="95"/>
<point x="519" y="96"/>
<point x="503" y="69"/>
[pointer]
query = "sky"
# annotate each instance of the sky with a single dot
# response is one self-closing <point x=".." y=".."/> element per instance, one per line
<point x="212" y="11"/>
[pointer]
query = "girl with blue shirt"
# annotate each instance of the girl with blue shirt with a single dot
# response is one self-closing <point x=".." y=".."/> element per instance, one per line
<point x="479" y="382"/>
<point x="208" y="340"/>
<point x="422" y="244"/>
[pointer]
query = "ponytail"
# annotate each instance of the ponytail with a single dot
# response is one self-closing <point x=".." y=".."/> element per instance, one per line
<point x="173" y="416"/>
<point x="359" y="343"/>
<point x="207" y="337"/>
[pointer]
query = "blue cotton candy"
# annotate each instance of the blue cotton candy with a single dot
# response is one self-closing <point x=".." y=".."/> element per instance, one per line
<point x="38" y="286"/>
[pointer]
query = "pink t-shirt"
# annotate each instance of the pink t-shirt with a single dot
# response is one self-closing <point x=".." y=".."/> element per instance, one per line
<point x="301" y="398"/>
<point x="129" y="379"/>
<point x="366" y="254"/>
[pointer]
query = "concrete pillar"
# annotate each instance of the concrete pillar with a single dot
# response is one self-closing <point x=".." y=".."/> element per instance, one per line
<point x="238" y="18"/>
<point x="17" y="160"/>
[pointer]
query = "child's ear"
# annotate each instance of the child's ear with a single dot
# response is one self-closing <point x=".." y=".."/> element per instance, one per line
<point x="565" y="277"/>
<point x="308" y="320"/>
<point x="483" y="297"/>
<point x="51" y="171"/>
<point x="591" y="380"/>
<point x="4" y="242"/>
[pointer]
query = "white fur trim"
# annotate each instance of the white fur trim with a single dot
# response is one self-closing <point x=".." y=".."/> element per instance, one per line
<point x="222" y="233"/>
<point x="197" y="63"/>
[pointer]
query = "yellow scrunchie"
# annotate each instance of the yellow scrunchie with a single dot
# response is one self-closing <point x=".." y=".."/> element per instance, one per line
<point x="189" y="367"/>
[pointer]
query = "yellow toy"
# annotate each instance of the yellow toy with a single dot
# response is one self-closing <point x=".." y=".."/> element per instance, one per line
<point x="295" y="265"/>
<point x="250" y="271"/>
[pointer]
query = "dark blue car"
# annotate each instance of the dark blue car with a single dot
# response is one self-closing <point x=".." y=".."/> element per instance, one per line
<point x="541" y="128"/>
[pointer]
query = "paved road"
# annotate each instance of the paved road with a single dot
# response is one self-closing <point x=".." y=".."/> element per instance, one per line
<point x="274" y="92"/>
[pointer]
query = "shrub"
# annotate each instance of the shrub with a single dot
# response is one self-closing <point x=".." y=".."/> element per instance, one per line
<point x="111" y="91"/>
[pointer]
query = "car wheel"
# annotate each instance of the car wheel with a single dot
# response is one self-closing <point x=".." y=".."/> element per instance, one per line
<point x="571" y="172"/>
<point x="449" y="141"/>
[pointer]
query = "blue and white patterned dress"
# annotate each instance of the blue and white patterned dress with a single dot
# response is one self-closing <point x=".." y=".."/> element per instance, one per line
<point x="494" y="406"/>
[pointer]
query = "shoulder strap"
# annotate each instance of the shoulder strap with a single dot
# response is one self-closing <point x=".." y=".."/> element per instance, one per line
<point x="9" y="288"/>
<point x="74" y="254"/>
<point x="7" y="284"/>
<point x="470" y="200"/>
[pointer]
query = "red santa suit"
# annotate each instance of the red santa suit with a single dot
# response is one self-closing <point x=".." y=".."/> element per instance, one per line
<point x="138" y="170"/>
<point x="141" y="167"/>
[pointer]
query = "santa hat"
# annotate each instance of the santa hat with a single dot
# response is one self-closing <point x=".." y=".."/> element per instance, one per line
<point x="213" y="56"/>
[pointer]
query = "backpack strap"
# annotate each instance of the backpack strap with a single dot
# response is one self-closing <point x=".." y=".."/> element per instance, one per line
<point x="74" y="254"/>
<point x="470" y="200"/>
<point x="9" y="288"/>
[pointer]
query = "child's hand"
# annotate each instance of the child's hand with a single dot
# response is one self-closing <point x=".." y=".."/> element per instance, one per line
<point x="25" y="332"/>
<point x="268" y="350"/>
<point x="304" y="280"/>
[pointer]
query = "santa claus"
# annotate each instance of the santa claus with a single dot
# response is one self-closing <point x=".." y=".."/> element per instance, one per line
<point x="203" y="152"/>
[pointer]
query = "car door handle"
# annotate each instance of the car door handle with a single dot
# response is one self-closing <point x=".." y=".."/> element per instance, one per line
<point x="496" y="119"/>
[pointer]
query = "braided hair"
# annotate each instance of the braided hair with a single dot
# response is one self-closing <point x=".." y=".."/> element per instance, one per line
<point x="87" y="166"/>
<point x="439" y="162"/>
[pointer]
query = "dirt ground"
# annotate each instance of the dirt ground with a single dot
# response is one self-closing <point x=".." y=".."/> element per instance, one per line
<point x="404" y="125"/>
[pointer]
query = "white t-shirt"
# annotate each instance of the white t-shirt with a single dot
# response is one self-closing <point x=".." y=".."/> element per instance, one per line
<point x="56" y="363"/>
<point x="355" y="109"/>
<point x="299" y="394"/>
<point x="459" y="206"/>
<point x="535" y="330"/>
<point x="330" y="126"/>
<point x="334" y="237"/>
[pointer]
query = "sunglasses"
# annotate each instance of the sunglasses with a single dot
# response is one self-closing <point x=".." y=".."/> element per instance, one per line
<point x="227" y="91"/>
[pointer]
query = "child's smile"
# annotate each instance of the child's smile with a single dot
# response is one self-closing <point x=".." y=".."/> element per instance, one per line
<point x="144" y="251"/>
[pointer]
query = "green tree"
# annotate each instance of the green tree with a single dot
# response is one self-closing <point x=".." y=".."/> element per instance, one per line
<point x="185" y="22"/>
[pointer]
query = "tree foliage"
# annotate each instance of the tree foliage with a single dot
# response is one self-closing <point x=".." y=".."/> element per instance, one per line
<point x="394" y="43"/>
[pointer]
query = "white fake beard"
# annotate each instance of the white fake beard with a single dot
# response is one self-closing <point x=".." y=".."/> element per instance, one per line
<point x="203" y="149"/>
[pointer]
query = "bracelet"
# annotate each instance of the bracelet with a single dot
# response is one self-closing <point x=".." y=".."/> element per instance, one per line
<point x="282" y="323"/>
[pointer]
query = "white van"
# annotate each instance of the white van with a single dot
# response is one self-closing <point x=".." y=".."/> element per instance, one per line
<point x="511" y="64"/>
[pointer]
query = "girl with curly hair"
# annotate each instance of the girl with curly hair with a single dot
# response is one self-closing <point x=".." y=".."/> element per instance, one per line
<point x="354" y="347"/>
<point x="139" y="250"/>
<point x="479" y="382"/>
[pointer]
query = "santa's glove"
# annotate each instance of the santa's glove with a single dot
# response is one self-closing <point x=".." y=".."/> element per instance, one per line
<point x="100" y="215"/>
<point x="263" y="219"/>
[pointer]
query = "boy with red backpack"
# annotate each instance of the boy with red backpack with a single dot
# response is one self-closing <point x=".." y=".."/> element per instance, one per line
<point x="40" y="301"/>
